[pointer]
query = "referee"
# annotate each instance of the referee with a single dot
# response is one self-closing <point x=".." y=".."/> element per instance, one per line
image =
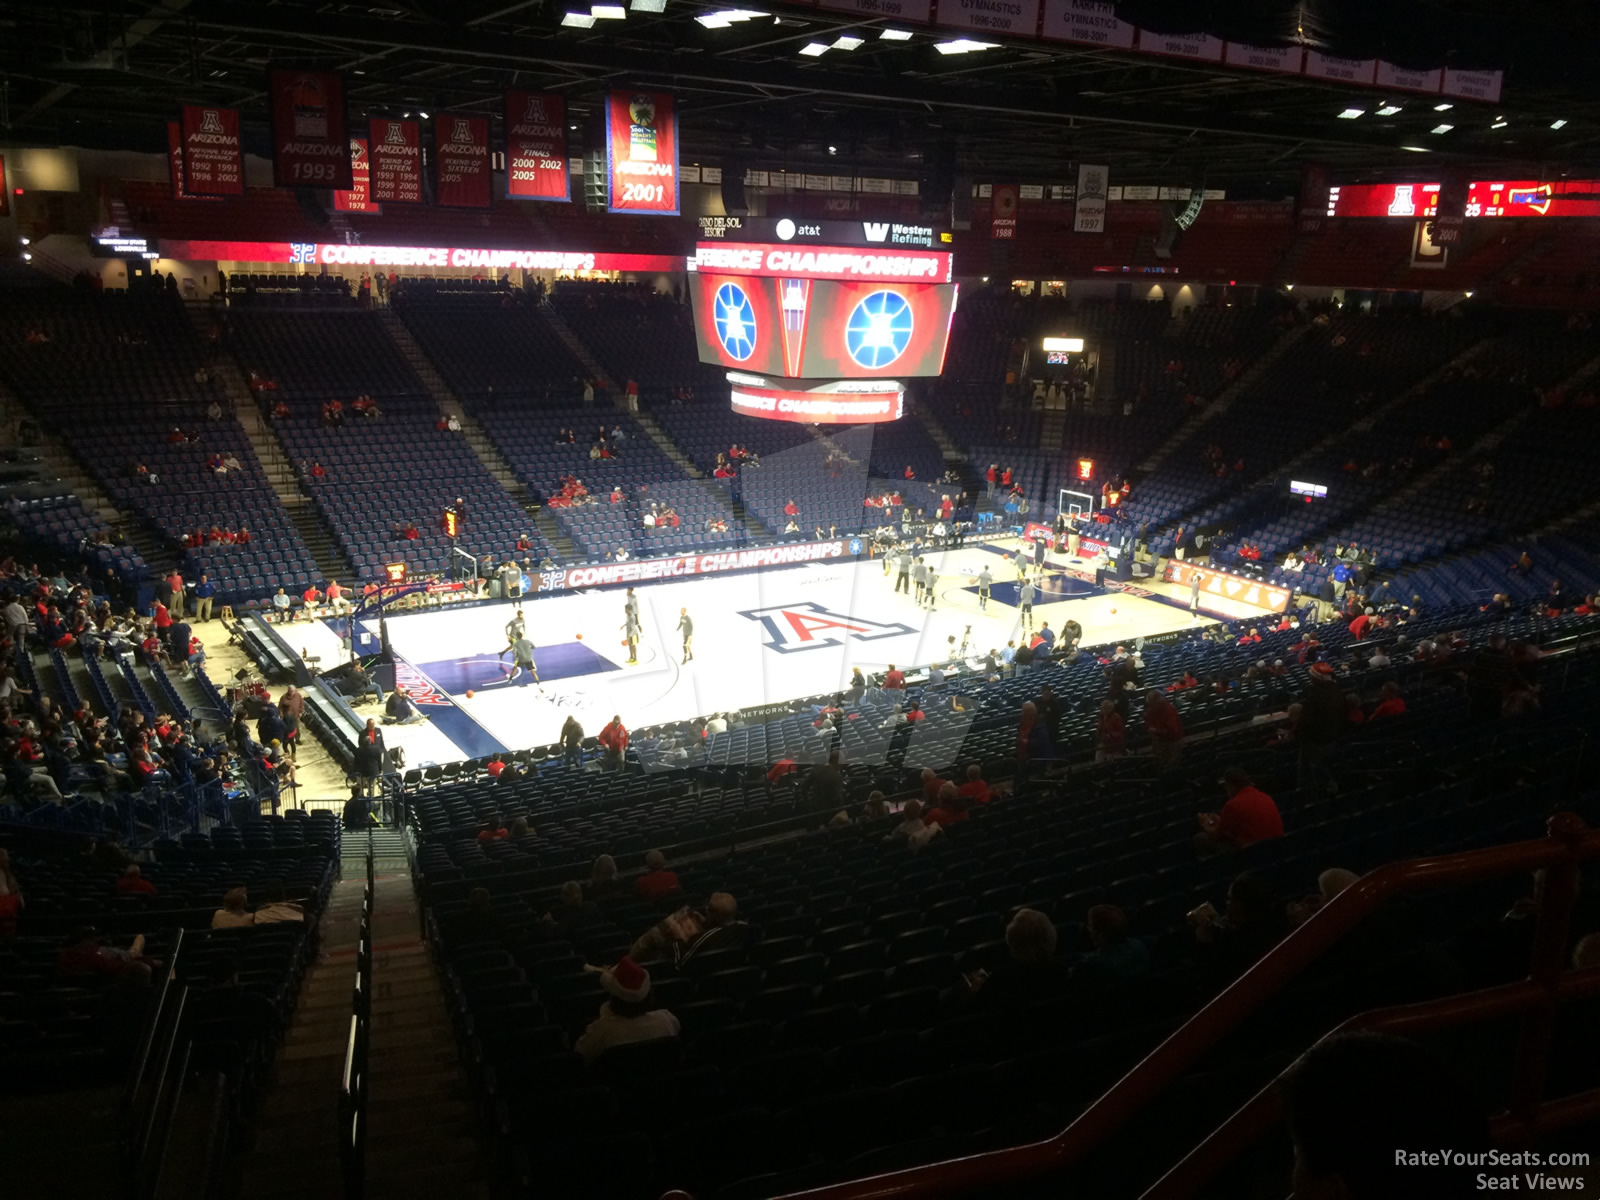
<point x="1025" y="598"/>
<point x="686" y="627"/>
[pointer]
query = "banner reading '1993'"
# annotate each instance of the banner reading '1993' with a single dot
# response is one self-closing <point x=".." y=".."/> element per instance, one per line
<point x="536" y="146"/>
<point x="461" y="161"/>
<point x="213" y="163"/>
<point x="642" y="153"/>
<point x="310" y="135"/>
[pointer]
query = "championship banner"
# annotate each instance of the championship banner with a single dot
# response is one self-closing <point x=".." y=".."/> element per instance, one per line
<point x="536" y="146"/>
<point x="1003" y="205"/>
<point x="1313" y="205"/>
<point x="310" y="135"/>
<point x="461" y="162"/>
<point x="175" y="159"/>
<point x="213" y="161"/>
<point x="642" y="153"/>
<point x="359" y="198"/>
<point x="1089" y="211"/>
<point x="394" y="156"/>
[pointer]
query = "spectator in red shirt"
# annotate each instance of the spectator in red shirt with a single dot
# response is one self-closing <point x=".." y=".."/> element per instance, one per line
<point x="1166" y="729"/>
<point x="910" y="474"/>
<point x="952" y="809"/>
<point x="1358" y="627"/>
<point x="791" y="509"/>
<point x="657" y="882"/>
<point x="493" y="830"/>
<point x="132" y="884"/>
<point x="894" y="680"/>
<point x="975" y="789"/>
<point x="932" y="786"/>
<point x="613" y="740"/>
<point x="495" y="766"/>
<point x="318" y="471"/>
<point x="1390" y="703"/>
<point x="1248" y="817"/>
<point x="163" y="617"/>
<point x="1250" y="638"/>
<point x="1110" y="735"/>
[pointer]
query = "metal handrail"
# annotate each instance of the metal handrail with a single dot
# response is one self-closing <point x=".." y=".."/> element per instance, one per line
<point x="1569" y="842"/>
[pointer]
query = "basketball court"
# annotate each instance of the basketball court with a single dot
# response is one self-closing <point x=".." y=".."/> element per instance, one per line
<point x="760" y="637"/>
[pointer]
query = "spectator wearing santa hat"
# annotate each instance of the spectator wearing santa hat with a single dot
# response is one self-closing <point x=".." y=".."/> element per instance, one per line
<point x="628" y="1015"/>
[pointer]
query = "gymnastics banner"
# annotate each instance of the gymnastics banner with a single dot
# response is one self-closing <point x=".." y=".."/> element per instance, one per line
<point x="536" y="146"/>
<point x="213" y="162"/>
<point x="461" y="161"/>
<point x="642" y="153"/>
<point x="394" y="156"/>
<point x="310" y="134"/>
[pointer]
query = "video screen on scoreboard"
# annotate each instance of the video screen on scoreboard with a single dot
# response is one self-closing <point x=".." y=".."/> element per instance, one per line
<point x="1485" y="198"/>
<point x="821" y="328"/>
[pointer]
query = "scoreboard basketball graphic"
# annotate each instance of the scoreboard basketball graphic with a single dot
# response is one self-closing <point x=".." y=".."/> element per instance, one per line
<point x="811" y="319"/>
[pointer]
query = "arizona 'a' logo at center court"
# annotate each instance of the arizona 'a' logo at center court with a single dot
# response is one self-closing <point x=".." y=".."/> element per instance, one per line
<point x="795" y="627"/>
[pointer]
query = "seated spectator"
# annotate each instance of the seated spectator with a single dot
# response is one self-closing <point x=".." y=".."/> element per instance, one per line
<point x="1230" y="943"/>
<point x="131" y="883"/>
<point x="278" y="908"/>
<point x="952" y="807"/>
<point x="1116" y="956"/>
<point x="1329" y="884"/>
<point x="912" y="827"/>
<point x="657" y="882"/>
<point x="1030" y="972"/>
<point x="84" y="954"/>
<point x="603" y="884"/>
<point x="1248" y="817"/>
<point x="493" y="830"/>
<point x="573" y="915"/>
<point x="628" y="1015"/>
<point x="975" y="790"/>
<point x="1390" y="702"/>
<point x="399" y="709"/>
<point x="235" y="911"/>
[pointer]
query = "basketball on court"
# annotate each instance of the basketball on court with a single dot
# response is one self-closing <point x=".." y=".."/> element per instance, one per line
<point x="1113" y="612"/>
<point x="579" y="636"/>
<point x="469" y="693"/>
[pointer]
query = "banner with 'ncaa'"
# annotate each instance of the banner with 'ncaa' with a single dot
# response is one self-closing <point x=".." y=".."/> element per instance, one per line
<point x="642" y="153"/>
<point x="310" y="135"/>
<point x="394" y="161"/>
<point x="461" y="161"/>
<point x="213" y="162"/>
<point x="536" y="146"/>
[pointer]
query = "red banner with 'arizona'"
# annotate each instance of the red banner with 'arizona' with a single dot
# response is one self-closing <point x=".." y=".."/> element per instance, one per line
<point x="461" y="161"/>
<point x="536" y="146"/>
<point x="359" y="198"/>
<point x="642" y="153"/>
<point x="310" y="135"/>
<point x="213" y="162"/>
<point x="394" y="155"/>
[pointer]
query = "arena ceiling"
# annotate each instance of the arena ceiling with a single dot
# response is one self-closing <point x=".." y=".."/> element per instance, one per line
<point x="110" y="72"/>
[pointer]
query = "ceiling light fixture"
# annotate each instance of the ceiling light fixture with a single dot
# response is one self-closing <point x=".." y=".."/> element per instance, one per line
<point x="1500" y="124"/>
<point x="1350" y="114"/>
<point x="1558" y="124"/>
<point x="1388" y="110"/>
<point x="1443" y="128"/>
<point x="727" y="16"/>
<point x="895" y="35"/>
<point x="1417" y="149"/>
<point x="1446" y="107"/>
<point x="578" y="20"/>
<point x="651" y="6"/>
<point x="833" y="149"/>
<point x="848" y="43"/>
<point x="814" y="49"/>
<point x="608" y="12"/>
<point x="964" y="46"/>
<point x="423" y="115"/>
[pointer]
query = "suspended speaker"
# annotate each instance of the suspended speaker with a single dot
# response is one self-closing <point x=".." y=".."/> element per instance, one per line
<point x="961" y="203"/>
<point x="734" y="202"/>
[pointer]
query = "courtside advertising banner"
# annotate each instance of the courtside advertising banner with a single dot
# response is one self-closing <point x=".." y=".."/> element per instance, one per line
<point x="461" y="161"/>
<point x="310" y="135"/>
<point x="213" y="162"/>
<point x="642" y="153"/>
<point x="359" y="198"/>
<point x="394" y="154"/>
<point x="536" y="146"/>
<point x="1089" y="211"/>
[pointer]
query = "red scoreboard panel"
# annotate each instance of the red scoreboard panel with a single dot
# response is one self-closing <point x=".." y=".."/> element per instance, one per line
<point x="803" y="327"/>
<point x="1487" y="198"/>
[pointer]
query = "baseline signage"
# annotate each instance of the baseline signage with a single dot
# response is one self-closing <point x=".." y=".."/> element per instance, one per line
<point x="679" y="566"/>
<point x="359" y="198"/>
<point x="536" y="146"/>
<point x="340" y="254"/>
<point x="642" y="153"/>
<point x="461" y="162"/>
<point x="1492" y="198"/>
<point x="213" y="162"/>
<point x="394" y="152"/>
<point x="1223" y="585"/>
<point x="823" y="262"/>
<point x="838" y="403"/>
<point x="310" y="133"/>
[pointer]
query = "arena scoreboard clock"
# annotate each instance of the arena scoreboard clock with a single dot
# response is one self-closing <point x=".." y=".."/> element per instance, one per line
<point x="394" y="572"/>
<point x="452" y="523"/>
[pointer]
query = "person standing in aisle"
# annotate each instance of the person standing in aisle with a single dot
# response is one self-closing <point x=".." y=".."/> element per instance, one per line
<point x="522" y="660"/>
<point x="515" y="628"/>
<point x="985" y="578"/>
<point x="919" y="576"/>
<point x="1025" y="604"/>
<point x="572" y="743"/>
<point x="686" y="627"/>
<point x="204" y="593"/>
<point x="902" y="564"/>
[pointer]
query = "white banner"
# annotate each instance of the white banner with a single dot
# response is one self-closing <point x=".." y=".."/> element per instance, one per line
<point x="1093" y="22"/>
<point x="1018" y="18"/>
<point x="919" y="11"/>
<point x="1141" y="191"/>
<point x="678" y="566"/>
<point x="1283" y="59"/>
<point x="1031" y="191"/>
<point x="1182" y="45"/>
<point x="1390" y="75"/>
<point x="1343" y="70"/>
<point x="1089" y="215"/>
<point x="1473" y="85"/>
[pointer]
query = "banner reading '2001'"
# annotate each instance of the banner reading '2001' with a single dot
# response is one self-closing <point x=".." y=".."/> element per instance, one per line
<point x="310" y="134"/>
<point x="642" y="153"/>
